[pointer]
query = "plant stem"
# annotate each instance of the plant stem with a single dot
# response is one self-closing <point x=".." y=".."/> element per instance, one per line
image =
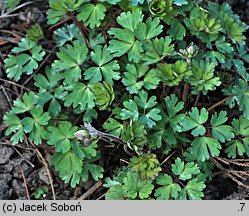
<point x="185" y="92"/>
<point x="197" y="99"/>
<point x="221" y="102"/>
<point x="77" y="23"/>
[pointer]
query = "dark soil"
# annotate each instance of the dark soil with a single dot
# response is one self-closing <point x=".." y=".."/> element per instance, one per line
<point x="20" y="163"/>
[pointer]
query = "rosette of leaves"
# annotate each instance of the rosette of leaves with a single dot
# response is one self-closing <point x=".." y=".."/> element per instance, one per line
<point x="35" y="33"/>
<point x="104" y="94"/>
<point x="230" y="22"/>
<point x="146" y="165"/>
<point x="172" y="74"/>
<point x="239" y="145"/>
<point x="156" y="50"/>
<point x="160" y="8"/>
<point x="202" y="78"/>
<point x="199" y="23"/>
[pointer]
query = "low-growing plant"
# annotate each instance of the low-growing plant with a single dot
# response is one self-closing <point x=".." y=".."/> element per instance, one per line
<point x="164" y="81"/>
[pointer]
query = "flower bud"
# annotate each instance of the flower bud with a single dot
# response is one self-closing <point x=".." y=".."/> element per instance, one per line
<point x="82" y="134"/>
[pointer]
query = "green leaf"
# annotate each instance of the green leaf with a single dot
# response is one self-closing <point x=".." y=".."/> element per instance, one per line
<point x="50" y="90"/>
<point x="79" y="95"/>
<point x="241" y="126"/>
<point x="185" y="171"/>
<point x="96" y="171"/>
<point x="67" y="33"/>
<point x="240" y="145"/>
<point x="221" y="132"/>
<point x="39" y="192"/>
<point x="137" y="188"/>
<point x="34" y="125"/>
<point x="242" y="97"/>
<point x="173" y="107"/>
<point x="91" y="14"/>
<point x="69" y="167"/>
<point x="115" y="193"/>
<point x="24" y="45"/>
<point x="143" y="101"/>
<point x="148" y="30"/>
<point x="107" y="69"/>
<point x="35" y="32"/>
<point x="180" y="2"/>
<point x="136" y="2"/>
<point x="177" y="30"/>
<point x="14" y="126"/>
<point x="59" y="8"/>
<point x="29" y="101"/>
<point x="222" y="46"/>
<point x="168" y="189"/>
<point x="202" y="78"/>
<point x="11" y="4"/>
<point x="136" y="72"/>
<point x="21" y="63"/>
<point x="61" y="136"/>
<point x="156" y="49"/>
<point x="89" y="115"/>
<point x="149" y="117"/>
<point x="215" y="57"/>
<point x="113" y="127"/>
<point x="235" y="148"/>
<point x="203" y="146"/>
<point x="125" y="43"/>
<point x="195" y="121"/>
<point x="70" y="59"/>
<point x="193" y="190"/>
<point x="130" y="111"/>
<point x="130" y="20"/>
<point x="172" y="74"/>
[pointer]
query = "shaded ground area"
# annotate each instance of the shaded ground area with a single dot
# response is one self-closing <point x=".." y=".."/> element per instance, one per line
<point x="22" y="170"/>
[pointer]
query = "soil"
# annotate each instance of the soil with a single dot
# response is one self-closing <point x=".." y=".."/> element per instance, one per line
<point x="21" y="169"/>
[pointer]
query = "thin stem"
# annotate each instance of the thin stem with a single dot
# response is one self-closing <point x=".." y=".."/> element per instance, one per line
<point x="77" y="23"/>
<point x="197" y="99"/>
<point x="13" y="83"/>
<point x="185" y="92"/>
<point x="18" y="7"/>
<point x="221" y="102"/>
